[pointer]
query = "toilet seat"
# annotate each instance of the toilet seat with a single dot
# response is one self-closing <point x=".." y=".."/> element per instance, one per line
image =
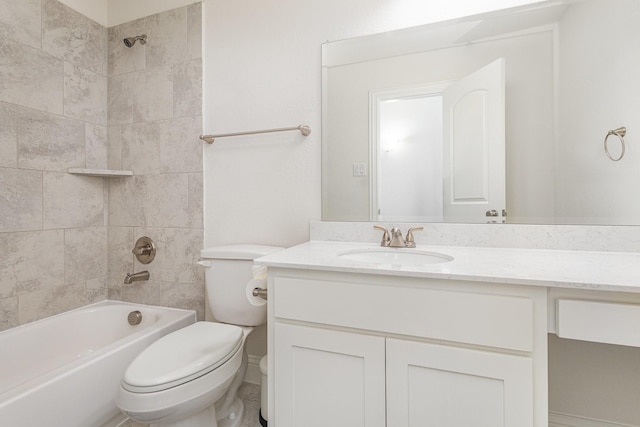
<point x="182" y="356"/>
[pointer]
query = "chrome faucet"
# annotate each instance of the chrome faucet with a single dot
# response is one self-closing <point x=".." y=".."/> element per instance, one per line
<point x="396" y="240"/>
<point x="136" y="277"/>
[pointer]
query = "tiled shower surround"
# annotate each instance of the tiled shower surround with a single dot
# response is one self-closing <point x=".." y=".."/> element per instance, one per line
<point x="73" y="96"/>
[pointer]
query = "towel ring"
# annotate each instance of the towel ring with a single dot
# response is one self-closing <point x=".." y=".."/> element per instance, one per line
<point x="620" y="133"/>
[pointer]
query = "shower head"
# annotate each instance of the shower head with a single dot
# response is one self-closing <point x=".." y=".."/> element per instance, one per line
<point x="130" y="41"/>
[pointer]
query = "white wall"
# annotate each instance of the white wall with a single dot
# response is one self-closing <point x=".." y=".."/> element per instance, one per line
<point x="94" y="9"/>
<point x="262" y="70"/>
<point x="587" y="181"/>
<point x="121" y="11"/>
<point x="410" y="160"/>
<point x="109" y="13"/>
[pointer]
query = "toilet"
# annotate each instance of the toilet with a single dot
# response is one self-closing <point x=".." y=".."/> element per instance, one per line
<point x="190" y="377"/>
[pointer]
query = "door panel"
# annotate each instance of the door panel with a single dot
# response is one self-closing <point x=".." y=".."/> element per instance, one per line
<point x="328" y="378"/>
<point x="439" y="386"/>
<point x="474" y="139"/>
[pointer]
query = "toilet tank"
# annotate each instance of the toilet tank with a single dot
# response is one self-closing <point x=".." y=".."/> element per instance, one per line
<point x="227" y="276"/>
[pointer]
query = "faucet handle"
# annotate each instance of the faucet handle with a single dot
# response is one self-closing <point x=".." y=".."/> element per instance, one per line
<point x="409" y="241"/>
<point x="144" y="250"/>
<point x="386" y="240"/>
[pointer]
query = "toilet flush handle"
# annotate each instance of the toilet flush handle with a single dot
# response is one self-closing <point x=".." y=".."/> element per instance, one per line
<point x="204" y="263"/>
<point x="260" y="293"/>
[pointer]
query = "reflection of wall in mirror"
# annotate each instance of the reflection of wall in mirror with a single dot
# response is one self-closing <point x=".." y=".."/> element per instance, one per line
<point x="410" y="160"/>
<point x="529" y="142"/>
<point x="599" y="91"/>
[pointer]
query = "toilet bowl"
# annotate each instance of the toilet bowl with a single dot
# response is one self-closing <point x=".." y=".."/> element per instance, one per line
<point x="184" y="377"/>
<point x="190" y="378"/>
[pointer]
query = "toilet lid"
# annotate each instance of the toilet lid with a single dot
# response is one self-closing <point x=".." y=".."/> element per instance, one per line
<point x="182" y="356"/>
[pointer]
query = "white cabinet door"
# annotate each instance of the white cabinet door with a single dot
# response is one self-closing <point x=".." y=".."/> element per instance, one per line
<point x="438" y="386"/>
<point x="328" y="378"/>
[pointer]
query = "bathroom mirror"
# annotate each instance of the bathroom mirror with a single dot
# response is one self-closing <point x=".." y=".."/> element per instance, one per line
<point x="394" y="148"/>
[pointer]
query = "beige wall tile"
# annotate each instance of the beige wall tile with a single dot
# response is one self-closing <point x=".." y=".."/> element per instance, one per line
<point x="30" y="262"/>
<point x="166" y="200"/>
<point x="152" y="94"/>
<point x="38" y="305"/>
<point x="114" y="147"/>
<point x="194" y="30"/>
<point x="120" y="244"/>
<point x="20" y="200"/>
<point x="85" y="254"/>
<point x="196" y="205"/>
<point x="96" y="290"/>
<point x="69" y="35"/>
<point x="145" y="292"/>
<point x="120" y="100"/>
<point x="85" y="95"/>
<point x="189" y="296"/>
<point x="187" y="88"/>
<point x="8" y="313"/>
<point x="141" y="147"/>
<point x="180" y="147"/>
<point x="49" y="142"/>
<point x="96" y="146"/>
<point x="114" y="288"/>
<point x="8" y="136"/>
<point x="30" y="78"/>
<point x="72" y="201"/>
<point x="167" y="43"/>
<point x="189" y="242"/>
<point x="21" y="21"/>
<point x="126" y="201"/>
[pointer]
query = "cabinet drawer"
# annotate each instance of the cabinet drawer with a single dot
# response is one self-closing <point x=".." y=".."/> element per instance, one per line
<point x="598" y="321"/>
<point x="460" y="316"/>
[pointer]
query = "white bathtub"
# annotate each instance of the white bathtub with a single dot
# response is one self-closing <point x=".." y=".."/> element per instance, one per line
<point x="64" y="371"/>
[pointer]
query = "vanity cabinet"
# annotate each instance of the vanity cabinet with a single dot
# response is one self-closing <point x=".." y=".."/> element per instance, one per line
<point x="351" y="350"/>
<point x="328" y="378"/>
<point x="442" y="385"/>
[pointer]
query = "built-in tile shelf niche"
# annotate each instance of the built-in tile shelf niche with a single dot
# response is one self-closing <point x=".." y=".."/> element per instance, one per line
<point x="104" y="173"/>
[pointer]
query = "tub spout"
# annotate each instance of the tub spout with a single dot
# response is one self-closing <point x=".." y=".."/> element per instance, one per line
<point x="136" y="277"/>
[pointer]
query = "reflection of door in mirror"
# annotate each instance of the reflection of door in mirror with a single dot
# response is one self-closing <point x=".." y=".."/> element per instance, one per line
<point x="406" y="154"/>
<point x="474" y="152"/>
<point x="422" y="171"/>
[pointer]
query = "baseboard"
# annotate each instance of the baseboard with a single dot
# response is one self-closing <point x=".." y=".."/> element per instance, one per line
<point x="253" y="370"/>
<point x="557" y="419"/>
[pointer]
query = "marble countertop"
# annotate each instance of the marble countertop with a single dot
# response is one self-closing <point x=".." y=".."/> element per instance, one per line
<point x="607" y="271"/>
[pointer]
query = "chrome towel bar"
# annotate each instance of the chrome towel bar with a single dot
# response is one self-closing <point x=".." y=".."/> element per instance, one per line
<point x="304" y="130"/>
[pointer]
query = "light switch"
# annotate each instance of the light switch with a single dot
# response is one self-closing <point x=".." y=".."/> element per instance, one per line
<point x="359" y="169"/>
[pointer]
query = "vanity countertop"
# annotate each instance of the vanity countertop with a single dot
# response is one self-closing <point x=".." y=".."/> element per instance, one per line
<point x="607" y="271"/>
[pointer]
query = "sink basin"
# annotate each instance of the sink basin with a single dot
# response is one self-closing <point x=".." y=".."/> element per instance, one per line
<point x="395" y="256"/>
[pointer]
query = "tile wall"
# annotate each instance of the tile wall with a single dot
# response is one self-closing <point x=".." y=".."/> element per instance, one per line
<point x="154" y="120"/>
<point x="53" y="116"/>
<point x="72" y="95"/>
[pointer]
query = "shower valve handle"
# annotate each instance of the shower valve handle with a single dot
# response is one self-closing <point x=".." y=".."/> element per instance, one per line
<point x="143" y="250"/>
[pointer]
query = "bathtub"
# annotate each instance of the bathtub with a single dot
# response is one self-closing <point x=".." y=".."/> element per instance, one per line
<point x="64" y="371"/>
